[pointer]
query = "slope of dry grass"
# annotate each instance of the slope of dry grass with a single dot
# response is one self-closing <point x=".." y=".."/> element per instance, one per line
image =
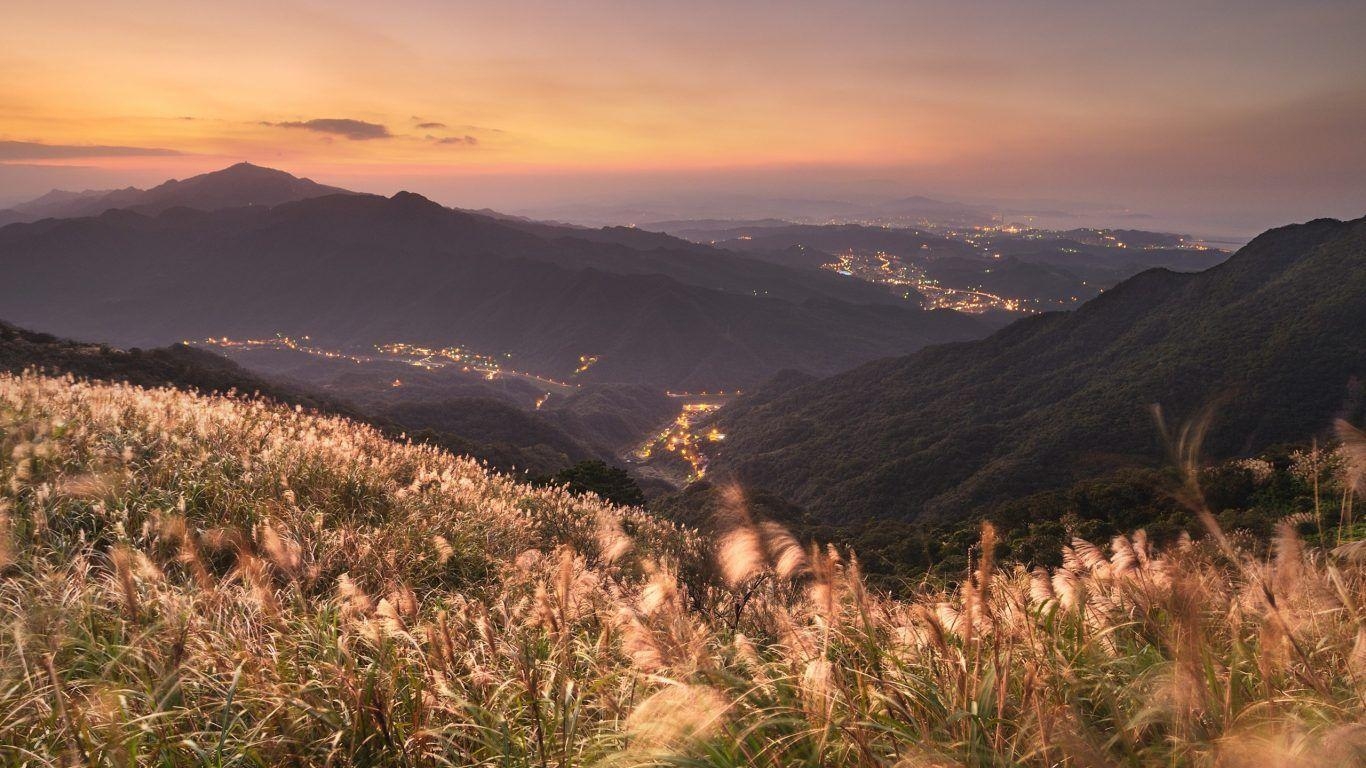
<point x="190" y="580"/>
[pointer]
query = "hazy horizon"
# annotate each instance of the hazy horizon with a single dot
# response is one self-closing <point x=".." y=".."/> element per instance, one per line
<point x="636" y="199"/>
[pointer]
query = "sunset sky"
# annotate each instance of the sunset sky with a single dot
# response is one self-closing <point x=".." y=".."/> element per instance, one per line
<point x="1245" y="114"/>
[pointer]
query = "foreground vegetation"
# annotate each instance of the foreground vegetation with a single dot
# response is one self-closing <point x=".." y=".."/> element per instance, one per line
<point x="1249" y="496"/>
<point x="200" y="580"/>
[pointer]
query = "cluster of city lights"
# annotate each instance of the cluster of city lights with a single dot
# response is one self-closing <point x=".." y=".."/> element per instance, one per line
<point x="887" y="269"/>
<point x="681" y="439"/>
<point x="416" y="355"/>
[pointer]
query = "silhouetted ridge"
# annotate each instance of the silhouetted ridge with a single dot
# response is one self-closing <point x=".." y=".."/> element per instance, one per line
<point x="243" y="184"/>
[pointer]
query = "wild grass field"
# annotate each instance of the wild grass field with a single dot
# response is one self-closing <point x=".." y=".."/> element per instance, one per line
<point x="191" y="580"/>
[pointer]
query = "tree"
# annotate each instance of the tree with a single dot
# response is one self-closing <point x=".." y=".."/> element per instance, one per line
<point x="610" y="483"/>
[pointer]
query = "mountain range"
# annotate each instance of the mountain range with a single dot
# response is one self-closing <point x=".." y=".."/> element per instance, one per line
<point x="1274" y="340"/>
<point x="220" y="255"/>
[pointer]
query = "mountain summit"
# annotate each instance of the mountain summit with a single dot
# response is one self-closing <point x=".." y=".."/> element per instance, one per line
<point x="236" y="186"/>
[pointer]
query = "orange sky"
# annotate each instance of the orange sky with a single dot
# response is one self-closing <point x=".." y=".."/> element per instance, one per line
<point x="1081" y="100"/>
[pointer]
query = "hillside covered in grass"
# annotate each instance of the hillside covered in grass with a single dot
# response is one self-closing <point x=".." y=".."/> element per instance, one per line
<point x="190" y="579"/>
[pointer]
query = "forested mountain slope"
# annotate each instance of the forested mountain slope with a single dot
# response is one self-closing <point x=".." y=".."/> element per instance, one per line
<point x="1274" y="339"/>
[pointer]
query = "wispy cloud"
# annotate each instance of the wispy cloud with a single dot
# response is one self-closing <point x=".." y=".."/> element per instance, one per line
<point x="32" y="150"/>
<point x="468" y="141"/>
<point x="355" y="130"/>
<point x="431" y="126"/>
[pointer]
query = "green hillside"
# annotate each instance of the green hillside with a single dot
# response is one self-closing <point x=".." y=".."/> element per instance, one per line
<point x="1274" y="340"/>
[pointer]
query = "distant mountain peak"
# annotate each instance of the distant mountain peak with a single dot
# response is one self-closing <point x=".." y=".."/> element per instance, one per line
<point x="404" y="196"/>
<point x="241" y="172"/>
<point x="245" y="169"/>
<point x="57" y="196"/>
<point x="415" y="203"/>
<point x="236" y="186"/>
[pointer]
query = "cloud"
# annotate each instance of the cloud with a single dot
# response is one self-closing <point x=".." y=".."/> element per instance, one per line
<point x="32" y="150"/>
<point x="431" y="126"/>
<point x="468" y="141"/>
<point x="355" y="130"/>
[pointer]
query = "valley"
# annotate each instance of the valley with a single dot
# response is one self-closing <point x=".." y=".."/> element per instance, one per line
<point x="885" y="269"/>
<point x="998" y="270"/>
<point x="453" y="358"/>
<point x="679" y="453"/>
<point x="673" y="455"/>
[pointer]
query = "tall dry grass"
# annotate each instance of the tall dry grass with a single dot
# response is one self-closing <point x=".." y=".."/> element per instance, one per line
<point x="195" y="580"/>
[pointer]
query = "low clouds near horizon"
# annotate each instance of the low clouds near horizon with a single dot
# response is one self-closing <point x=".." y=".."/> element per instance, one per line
<point x="355" y="130"/>
<point x="360" y="130"/>
<point x="33" y="150"/>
